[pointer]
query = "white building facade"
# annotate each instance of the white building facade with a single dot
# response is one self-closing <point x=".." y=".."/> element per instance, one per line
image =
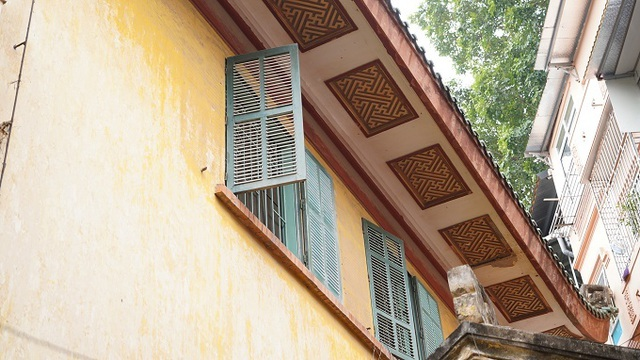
<point x="587" y="130"/>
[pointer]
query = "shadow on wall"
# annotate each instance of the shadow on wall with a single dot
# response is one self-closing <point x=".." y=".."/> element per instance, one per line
<point x="43" y="343"/>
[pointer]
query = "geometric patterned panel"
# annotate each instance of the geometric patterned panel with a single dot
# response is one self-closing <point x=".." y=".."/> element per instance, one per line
<point x="562" y="331"/>
<point x="477" y="241"/>
<point x="372" y="98"/>
<point x="311" y="22"/>
<point x="429" y="176"/>
<point x="518" y="299"/>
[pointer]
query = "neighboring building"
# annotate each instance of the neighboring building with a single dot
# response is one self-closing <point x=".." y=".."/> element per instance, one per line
<point x="587" y="129"/>
<point x="319" y="222"/>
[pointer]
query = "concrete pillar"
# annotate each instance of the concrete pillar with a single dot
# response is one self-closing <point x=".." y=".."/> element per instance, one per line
<point x="469" y="298"/>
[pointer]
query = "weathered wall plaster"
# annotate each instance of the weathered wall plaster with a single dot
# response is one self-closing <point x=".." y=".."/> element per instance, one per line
<point x="112" y="243"/>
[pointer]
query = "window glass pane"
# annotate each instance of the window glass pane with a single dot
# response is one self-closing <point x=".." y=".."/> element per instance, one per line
<point x="568" y="114"/>
<point x="566" y="157"/>
<point x="617" y="333"/>
<point x="602" y="279"/>
<point x="560" y="138"/>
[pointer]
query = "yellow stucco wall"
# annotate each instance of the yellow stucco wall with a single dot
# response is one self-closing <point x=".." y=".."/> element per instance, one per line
<point x="112" y="243"/>
<point x="118" y="247"/>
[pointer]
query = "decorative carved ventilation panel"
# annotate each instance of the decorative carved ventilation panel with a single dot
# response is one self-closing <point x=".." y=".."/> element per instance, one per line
<point x="518" y="299"/>
<point x="372" y="98"/>
<point x="311" y="23"/>
<point x="477" y="241"/>
<point x="562" y="331"/>
<point x="429" y="176"/>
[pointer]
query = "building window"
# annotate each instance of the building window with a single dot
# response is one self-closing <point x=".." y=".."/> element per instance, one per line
<point x="268" y="169"/>
<point x="405" y="315"/>
<point x="601" y="279"/>
<point x="427" y="319"/>
<point x="278" y="209"/>
<point x="616" y="333"/>
<point x="389" y="285"/>
<point x="563" y="146"/>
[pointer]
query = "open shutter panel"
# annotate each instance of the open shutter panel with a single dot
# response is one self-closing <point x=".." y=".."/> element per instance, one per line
<point x="265" y="139"/>
<point x="430" y="326"/>
<point x="392" y="313"/>
<point x="324" y="260"/>
<point x="332" y="258"/>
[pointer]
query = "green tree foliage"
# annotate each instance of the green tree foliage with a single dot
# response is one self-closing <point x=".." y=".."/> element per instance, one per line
<point x="495" y="41"/>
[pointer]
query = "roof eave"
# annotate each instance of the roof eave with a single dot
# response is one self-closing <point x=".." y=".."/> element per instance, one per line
<point x="548" y="34"/>
<point x="544" y="122"/>
<point x="434" y="94"/>
<point x="561" y="32"/>
<point x="612" y="31"/>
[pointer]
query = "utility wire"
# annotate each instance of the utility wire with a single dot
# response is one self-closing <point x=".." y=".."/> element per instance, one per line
<point x="15" y="100"/>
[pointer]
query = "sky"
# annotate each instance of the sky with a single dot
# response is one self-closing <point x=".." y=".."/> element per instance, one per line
<point x="441" y="64"/>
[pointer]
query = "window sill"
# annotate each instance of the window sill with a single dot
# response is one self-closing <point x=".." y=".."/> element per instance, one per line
<point x="280" y="252"/>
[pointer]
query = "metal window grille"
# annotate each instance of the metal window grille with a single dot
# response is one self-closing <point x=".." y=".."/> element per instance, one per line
<point x="583" y="211"/>
<point x="268" y="206"/>
<point x="615" y="183"/>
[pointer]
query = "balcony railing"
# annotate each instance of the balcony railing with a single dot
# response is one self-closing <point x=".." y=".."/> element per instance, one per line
<point x="573" y="203"/>
<point x="615" y="183"/>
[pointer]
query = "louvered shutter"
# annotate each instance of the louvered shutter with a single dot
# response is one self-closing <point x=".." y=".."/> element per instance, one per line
<point x="389" y="283"/>
<point x="428" y="319"/>
<point x="324" y="260"/>
<point x="265" y="140"/>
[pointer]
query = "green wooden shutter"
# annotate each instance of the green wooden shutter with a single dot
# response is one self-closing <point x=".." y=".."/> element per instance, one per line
<point x="324" y="260"/>
<point x="389" y="283"/>
<point x="265" y="140"/>
<point x="427" y="319"/>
